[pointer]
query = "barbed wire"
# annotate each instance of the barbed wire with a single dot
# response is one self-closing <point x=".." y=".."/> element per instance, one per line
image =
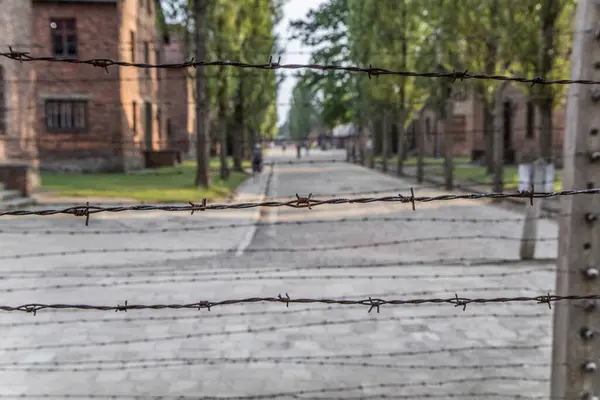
<point x="287" y="311"/>
<point x="477" y="395"/>
<point x="355" y="246"/>
<point x="156" y="267"/>
<point x="132" y="364"/>
<point x="105" y="63"/>
<point x="250" y="330"/>
<point x="349" y="220"/>
<point x="302" y="393"/>
<point x="189" y="279"/>
<point x="300" y="202"/>
<point x="372" y="303"/>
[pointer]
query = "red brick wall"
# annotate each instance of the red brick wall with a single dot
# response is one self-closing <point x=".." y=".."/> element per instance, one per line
<point x="140" y="85"/>
<point x="17" y="140"/>
<point x="525" y="147"/>
<point x="97" y="37"/>
<point x="177" y="95"/>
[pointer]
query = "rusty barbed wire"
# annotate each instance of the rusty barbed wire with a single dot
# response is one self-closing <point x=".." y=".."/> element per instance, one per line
<point x="188" y="279"/>
<point x="428" y="395"/>
<point x="350" y="220"/>
<point x="250" y="330"/>
<point x="149" y="363"/>
<point x="217" y="270"/>
<point x="300" y="202"/>
<point x="273" y="249"/>
<point x="300" y="394"/>
<point x="104" y="63"/>
<point x="287" y="311"/>
<point x="371" y="303"/>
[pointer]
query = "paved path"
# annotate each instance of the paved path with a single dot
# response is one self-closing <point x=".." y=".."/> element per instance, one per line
<point x="141" y="352"/>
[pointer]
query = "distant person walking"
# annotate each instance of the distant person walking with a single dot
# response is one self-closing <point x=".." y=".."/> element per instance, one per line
<point x="257" y="161"/>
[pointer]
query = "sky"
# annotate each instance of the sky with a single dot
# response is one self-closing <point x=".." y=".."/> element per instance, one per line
<point x="295" y="52"/>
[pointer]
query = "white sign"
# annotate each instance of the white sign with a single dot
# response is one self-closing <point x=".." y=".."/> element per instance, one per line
<point x="524" y="177"/>
<point x="544" y="181"/>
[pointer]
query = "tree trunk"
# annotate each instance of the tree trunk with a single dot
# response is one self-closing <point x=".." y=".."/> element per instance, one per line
<point x="401" y="144"/>
<point x="546" y="130"/>
<point x="550" y="12"/>
<point x="222" y="123"/>
<point x="203" y="178"/>
<point x="223" y="81"/>
<point x="488" y="135"/>
<point x="403" y="107"/>
<point x="490" y="69"/>
<point x="448" y="144"/>
<point x="385" y="136"/>
<point x="420" y="136"/>
<point x="239" y="133"/>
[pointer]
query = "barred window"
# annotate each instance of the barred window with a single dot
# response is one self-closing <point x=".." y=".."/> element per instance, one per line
<point x="64" y="37"/>
<point x="66" y="115"/>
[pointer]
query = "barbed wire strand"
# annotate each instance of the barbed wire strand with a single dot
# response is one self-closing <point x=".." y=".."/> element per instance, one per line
<point x="355" y="246"/>
<point x="300" y="202"/>
<point x="250" y="330"/>
<point x="371" y="72"/>
<point x="196" y="317"/>
<point x="132" y="364"/>
<point x="348" y="220"/>
<point x="298" y="393"/>
<point x="371" y="303"/>
<point x="238" y="278"/>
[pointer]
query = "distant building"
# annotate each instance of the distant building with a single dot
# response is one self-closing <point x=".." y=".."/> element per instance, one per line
<point x="341" y="134"/>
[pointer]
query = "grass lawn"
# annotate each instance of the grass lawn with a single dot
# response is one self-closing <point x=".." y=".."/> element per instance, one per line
<point x="169" y="184"/>
<point x="478" y="174"/>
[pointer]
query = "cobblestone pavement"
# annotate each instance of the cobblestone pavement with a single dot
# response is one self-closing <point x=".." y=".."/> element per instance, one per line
<point x="401" y="351"/>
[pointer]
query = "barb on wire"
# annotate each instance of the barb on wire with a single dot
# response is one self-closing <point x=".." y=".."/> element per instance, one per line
<point x="301" y="393"/>
<point x="148" y="363"/>
<point x="194" y="317"/>
<point x="351" y="220"/>
<point x="371" y="71"/>
<point x="372" y="303"/>
<point x="294" y="203"/>
<point x="273" y="249"/>
<point x="186" y="279"/>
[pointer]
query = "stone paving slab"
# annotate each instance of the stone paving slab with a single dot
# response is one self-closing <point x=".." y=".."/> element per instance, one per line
<point x="417" y="346"/>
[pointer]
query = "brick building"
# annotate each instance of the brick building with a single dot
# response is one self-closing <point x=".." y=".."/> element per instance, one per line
<point x="178" y="126"/>
<point x="521" y="127"/>
<point x="17" y="98"/>
<point x="86" y="119"/>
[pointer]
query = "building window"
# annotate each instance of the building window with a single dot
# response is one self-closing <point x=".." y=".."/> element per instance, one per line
<point x="66" y="115"/>
<point x="530" y="120"/>
<point x="134" y="117"/>
<point x="2" y="103"/>
<point x="64" y="37"/>
<point x="132" y="44"/>
<point x="427" y="126"/>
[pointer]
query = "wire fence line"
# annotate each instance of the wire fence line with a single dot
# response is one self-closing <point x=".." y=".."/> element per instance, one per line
<point x="328" y="390"/>
<point x="371" y="72"/>
<point x="355" y="246"/>
<point x="300" y="202"/>
<point x="372" y="303"/>
<point x="262" y="313"/>
<point x="269" y="329"/>
<point x="218" y="227"/>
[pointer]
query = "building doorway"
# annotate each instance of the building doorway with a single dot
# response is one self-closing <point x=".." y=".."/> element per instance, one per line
<point x="148" y="125"/>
